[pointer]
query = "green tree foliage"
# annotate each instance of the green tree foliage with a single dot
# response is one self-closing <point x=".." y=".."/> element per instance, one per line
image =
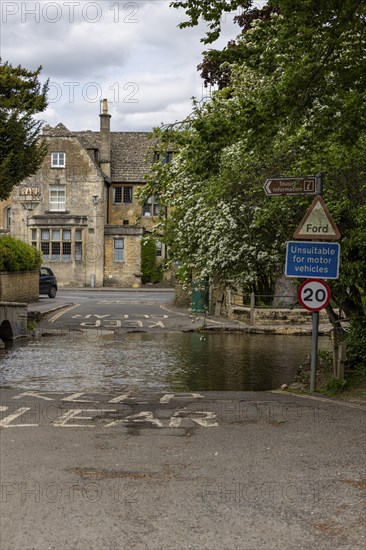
<point x="293" y="104"/>
<point x="15" y="255"/>
<point x="21" y="97"/>
<point x="151" y="271"/>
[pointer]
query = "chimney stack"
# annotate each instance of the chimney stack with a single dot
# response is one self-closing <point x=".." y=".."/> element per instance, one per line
<point x="105" y="142"/>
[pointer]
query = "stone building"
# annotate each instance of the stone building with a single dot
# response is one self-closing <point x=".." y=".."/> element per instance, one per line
<point x="81" y="208"/>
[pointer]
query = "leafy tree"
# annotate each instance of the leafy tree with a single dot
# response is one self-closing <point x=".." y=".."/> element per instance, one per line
<point x="21" y="97"/>
<point x="292" y="104"/>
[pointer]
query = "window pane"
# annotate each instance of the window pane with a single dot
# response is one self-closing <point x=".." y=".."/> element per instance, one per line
<point x="118" y="194"/>
<point x="45" y="234"/>
<point x="118" y="250"/>
<point x="78" y="252"/>
<point x="159" y="248"/>
<point x="66" y="252"/>
<point x="58" y="159"/>
<point x="56" y="252"/>
<point x="56" y="234"/>
<point x="34" y="234"/>
<point x="156" y="208"/>
<point x="147" y="208"/>
<point x="45" y="248"/>
<point x="78" y="236"/>
<point x="127" y="194"/>
<point x="57" y="197"/>
<point x="66" y="235"/>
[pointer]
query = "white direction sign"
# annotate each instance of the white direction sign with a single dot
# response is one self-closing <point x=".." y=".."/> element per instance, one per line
<point x="314" y="294"/>
<point x="317" y="223"/>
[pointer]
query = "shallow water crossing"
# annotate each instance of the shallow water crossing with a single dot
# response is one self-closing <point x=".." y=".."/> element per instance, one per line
<point x="174" y="361"/>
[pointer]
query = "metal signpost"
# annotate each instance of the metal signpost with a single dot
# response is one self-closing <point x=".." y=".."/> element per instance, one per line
<point x="314" y="295"/>
<point x="304" y="259"/>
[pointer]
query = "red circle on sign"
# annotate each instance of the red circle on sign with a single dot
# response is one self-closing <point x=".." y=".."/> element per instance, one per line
<point x="314" y="294"/>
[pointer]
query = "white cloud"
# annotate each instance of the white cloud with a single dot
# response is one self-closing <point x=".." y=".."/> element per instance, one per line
<point x="130" y="52"/>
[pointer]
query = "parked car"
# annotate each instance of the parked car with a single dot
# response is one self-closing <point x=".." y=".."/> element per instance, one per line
<point x="47" y="282"/>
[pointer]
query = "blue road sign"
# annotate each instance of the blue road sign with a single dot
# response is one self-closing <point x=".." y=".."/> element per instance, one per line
<point x="318" y="260"/>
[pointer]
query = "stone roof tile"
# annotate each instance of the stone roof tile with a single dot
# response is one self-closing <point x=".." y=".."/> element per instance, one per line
<point x="131" y="154"/>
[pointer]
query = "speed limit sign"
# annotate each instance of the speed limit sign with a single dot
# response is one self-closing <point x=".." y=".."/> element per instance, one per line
<point x="314" y="294"/>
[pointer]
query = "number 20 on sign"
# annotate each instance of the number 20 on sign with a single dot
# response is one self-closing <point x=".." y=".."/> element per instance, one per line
<point x="314" y="294"/>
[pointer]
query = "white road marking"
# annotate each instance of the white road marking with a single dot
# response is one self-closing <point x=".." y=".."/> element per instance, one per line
<point x="60" y="313"/>
<point x="5" y="422"/>
<point x="74" y="398"/>
<point x="202" y="418"/>
<point x="134" y="324"/>
<point x="156" y="316"/>
<point x="158" y="324"/>
<point x="96" y="324"/>
<point x="169" y="396"/>
<point x="32" y="394"/>
<point x="73" y="414"/>
<point x="119" y="398"/>
<point x="113" y="323"/>
<point x="144" y="416"/>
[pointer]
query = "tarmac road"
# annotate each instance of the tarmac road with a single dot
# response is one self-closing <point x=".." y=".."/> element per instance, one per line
<point x="223" y="471"/>
<point x="203" y="471"/>
<point x="121" y="310"/>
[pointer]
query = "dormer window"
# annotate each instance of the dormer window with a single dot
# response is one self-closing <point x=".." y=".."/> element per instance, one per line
<point x="58" y="159"/>
<point x="164" y="158"/>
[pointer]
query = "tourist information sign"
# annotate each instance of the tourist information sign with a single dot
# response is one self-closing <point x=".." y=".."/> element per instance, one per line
<point x="314" y="294"/>
<point x="317" y="260"/>
<point x="291" y="186"/>
<point x="317" y="223"/>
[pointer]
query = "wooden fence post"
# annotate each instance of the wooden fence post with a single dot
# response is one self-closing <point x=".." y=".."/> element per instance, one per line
<point x="252" y="309"/>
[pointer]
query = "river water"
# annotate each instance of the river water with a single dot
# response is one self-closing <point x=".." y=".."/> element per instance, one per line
<point x="173" y="361"/>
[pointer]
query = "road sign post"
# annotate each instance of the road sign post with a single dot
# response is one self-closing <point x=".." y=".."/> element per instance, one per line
<point x="319" y="260"/>
<point x="314" y="351"/>
<point x="314" y="295"/>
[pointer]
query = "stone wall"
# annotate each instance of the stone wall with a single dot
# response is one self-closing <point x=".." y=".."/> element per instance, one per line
<point x="13" y="321"/>
<point x="126" y="273"/>
<point x="183" y="296"/>
<point x="21" y="286"/>
<point x="274" y="316"/>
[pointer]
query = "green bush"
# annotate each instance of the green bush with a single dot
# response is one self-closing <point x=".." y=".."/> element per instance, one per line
<point x="335" y="385"/>
<point x="15" y="255"/>
<point x="356" y="344"/>
<point x="151" y="271"/>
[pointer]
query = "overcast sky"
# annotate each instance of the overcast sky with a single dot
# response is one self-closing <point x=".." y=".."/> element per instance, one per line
<point x="130" y="52"/>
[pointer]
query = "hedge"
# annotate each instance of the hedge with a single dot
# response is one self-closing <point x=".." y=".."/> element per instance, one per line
<point x="15" y="255"/>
